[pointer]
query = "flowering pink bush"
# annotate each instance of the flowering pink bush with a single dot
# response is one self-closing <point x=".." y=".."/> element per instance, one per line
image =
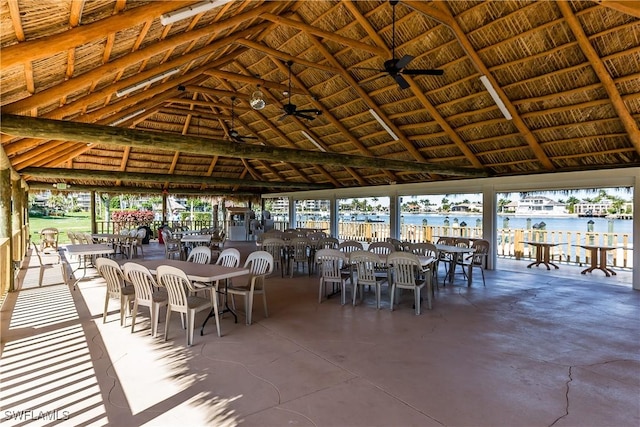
<point x="138" y="217"/>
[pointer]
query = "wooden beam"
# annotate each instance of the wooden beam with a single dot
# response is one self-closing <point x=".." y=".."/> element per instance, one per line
<point x="86" y="174"/>
<point x="32" y="127"/>
<point x="609" y="85"/>
<point x="325" y="34"/>
<point x="282" y="55"/>
<point x="630" y="7"/>
<point x="444" y="16"/>
<point x="49" y="45"/>
<point x="141" y="190"/>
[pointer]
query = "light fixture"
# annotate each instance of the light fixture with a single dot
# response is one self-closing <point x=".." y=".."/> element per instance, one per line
<point x="383" y="124"/>
<point x="60" y="186"/>
<point x="189" y="11"/>
<point x="313" y="141"/>
<point x="257" y="101"/>
<point x="145" y="82"/>
<point x="127" y="117"/>
<point x="496" y="98"/>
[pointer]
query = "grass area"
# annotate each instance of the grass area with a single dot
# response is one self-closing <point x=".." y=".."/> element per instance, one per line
<point x="77" y="222"/>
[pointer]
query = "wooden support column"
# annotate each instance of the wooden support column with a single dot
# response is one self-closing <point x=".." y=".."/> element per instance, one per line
<point x="17" y="212"/>
<point x="92" y="210"/>
<point x="164" y="208"/>
<point x="5" y="222"/>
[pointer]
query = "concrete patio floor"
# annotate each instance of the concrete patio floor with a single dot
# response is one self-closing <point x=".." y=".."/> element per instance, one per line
<point x="532" y="348"/>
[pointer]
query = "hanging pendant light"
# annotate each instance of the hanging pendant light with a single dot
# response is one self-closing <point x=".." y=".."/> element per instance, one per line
<point x="257" y="101"/>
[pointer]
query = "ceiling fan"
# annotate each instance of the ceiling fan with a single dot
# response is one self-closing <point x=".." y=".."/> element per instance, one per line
<point x="396" y="67"/>
<point x="292" y="110"/>
<point x="233" y="134"/>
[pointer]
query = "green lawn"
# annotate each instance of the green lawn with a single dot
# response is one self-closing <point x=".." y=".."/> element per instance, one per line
<point x="77" y="222"/>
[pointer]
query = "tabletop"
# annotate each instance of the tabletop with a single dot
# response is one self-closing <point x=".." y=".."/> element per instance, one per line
<point x="196" y="272"/>
<point x="190" y="238"/>
<point x="600" y="247"/>
<point x="453" y="249"/>
<point x="89" y="249"/>
<point x="542" y="244"/>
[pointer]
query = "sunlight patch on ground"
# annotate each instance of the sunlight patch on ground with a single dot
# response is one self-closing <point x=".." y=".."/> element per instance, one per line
<point x="49" y="377"/>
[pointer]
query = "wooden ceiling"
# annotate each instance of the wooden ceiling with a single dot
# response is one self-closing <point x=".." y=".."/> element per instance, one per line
<point x="568" y="73"/>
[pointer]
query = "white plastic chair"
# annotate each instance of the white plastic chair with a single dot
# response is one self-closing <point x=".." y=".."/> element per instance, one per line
<point x="260" y="264"/>
<point x="300" y="254"/>
<point x="200" y="255"/>
<point x="146" y="294"/>
<point x="116" y="289"/>
<point x="365" y="263"/>
<point x="49" y="258"/>
<point x="349" y="246"/>
<point x="49" y="238"/>
<point x="178" y="285"/>
<point x="276" y="248"/>
<point x="330" y="263"/>
<point x="406" y="273"/>
<point x="477" y="259"/>
<point x="381" y="248"/>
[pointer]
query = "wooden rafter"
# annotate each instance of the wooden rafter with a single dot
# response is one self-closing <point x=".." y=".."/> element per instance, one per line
<point x="627" y="120"/>
<point x="443" y="15"/>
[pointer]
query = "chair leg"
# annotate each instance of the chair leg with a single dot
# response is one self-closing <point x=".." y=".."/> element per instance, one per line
<point x="154" y="311"/>
<point x="416" y="297"/>
<point x="393" y="294"/>
<point x="106" y="306"/>
<point x="166" y="324"/>
<point x="191" y="319"/>
<point x="41" y="276"/>
<point x="264" y="300"/>
<point x="248" y="307"/>
<point x="216" y="313"/>
<point x="133" y="315"/>
<point x="320" y="290"/>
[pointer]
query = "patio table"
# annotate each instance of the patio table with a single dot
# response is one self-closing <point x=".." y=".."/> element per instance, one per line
<point x="543" y="254"/>
<point x="204" y="273"/>
<point x="598" y="262"/>
<point x="84" y="250"/>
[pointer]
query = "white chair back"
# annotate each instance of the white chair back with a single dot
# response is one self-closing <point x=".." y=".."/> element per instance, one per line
<point x="200" y="255"/>
<point x="229" y="257"/>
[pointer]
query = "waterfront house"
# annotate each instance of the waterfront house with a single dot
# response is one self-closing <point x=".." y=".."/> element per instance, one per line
<point x="540" y="205"/>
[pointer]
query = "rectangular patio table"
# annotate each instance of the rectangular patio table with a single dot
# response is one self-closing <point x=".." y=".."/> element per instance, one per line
<point x="204" y="273"/>
<point x="84" y="250"/>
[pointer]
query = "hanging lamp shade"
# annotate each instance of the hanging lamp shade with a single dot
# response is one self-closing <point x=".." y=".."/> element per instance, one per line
<point x="257" y="101"/>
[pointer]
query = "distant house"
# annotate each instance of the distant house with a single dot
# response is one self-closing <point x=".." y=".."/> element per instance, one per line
<point x="589" y="209"/>
<point x="467" y="207"/>
<point x="540" y="205"/>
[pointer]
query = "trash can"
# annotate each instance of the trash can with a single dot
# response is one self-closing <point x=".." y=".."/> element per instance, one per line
<point x="147" y="235"/>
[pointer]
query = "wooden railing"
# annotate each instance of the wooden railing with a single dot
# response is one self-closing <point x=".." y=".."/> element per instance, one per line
<point x="510" y="242"/>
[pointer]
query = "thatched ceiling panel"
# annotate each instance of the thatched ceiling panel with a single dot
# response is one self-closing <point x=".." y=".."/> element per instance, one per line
<point x="46" y="17"/>
<point x="529" y="46"/>
<point x="581" y="130"/>
<point x="474" y="16"/>
<point x="7" y="33"/>
<point x="13" y="85"/>
<point x="487" y="130"/>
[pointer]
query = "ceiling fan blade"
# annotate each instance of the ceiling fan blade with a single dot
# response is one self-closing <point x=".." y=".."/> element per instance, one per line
<point x="311" y="110"/>
<point x="401" y="81"/>
<point x="282" y="117"/>
<point x="304" y="116"/>
<point x="403" y="62"/>
<point x="423" y="72"/>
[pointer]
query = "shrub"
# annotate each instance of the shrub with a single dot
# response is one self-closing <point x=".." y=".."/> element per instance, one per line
<point x="138" y="217"/>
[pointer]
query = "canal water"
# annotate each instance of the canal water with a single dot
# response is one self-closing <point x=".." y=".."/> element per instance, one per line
<point x="569" y="223"/>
